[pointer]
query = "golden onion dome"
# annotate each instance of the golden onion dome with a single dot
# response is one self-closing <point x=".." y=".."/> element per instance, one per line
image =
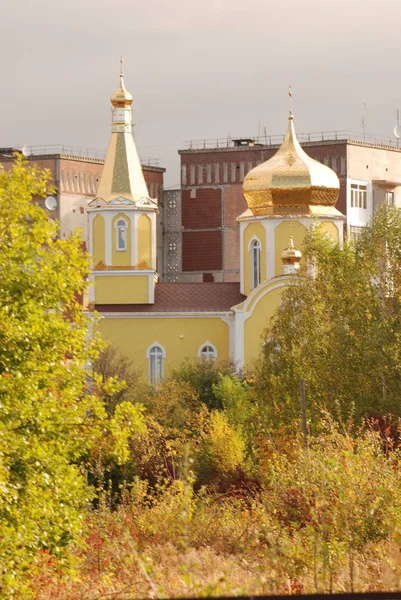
<point x="121" y="97"/>
<point x="291" y="255"/>
<point x="290" y="181"/>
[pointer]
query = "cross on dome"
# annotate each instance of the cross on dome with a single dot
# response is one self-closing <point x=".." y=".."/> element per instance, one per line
<point x="121" y="97"/>
<point x="290" y="182"/>
<point x="290" y="101"/>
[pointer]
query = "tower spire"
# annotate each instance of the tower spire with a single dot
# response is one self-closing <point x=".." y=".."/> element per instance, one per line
<point x="122" y="176"/>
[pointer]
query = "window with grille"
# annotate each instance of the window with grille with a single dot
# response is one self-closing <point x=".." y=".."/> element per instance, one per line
<point x="255" y="264"/>
<point x="355" y="232"/>
<point x="208" y="352"/>
<point x="156" y="364"/>
<point x="119" y="115"/>
<point x="121" y="237"/>
<point x="359" y="194"/>
<point x="389" y="198"/>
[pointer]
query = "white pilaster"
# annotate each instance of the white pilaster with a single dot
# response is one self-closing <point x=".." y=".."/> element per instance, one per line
<point x="134" y="238"/>
<point x="90" y="217"/>
<point x="154" y="244"/>
<point x="270" y="226"/>
<point x="242" y="226"/>
<point x="239" y="338"/>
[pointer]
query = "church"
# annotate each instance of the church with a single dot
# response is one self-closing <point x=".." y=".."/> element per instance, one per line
<point x="159" y="325"/>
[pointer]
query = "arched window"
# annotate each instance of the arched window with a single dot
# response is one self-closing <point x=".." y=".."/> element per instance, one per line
<point x="207" y="351"/>
<point x="156" y="355"/>
<point x="255" y="264"/>
<point x="121" y="237"/>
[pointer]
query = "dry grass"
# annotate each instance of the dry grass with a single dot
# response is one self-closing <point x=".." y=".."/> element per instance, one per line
<point x="122" y="562"/>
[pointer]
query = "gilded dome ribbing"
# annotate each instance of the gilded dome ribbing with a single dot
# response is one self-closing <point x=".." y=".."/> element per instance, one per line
<point x="121" y="97"/>
<point x="290" y="181"/>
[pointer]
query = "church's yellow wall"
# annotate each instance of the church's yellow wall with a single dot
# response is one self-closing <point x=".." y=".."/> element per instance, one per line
<point x="145" y="241"/>
<point x="98" y="240"/>
<point x="120" y="258"/>
<point x="254" y="326"/>
<point x="122" y="289"/>
<point x="180" y="337"/>
<point x="282" y="235"/>
<point x="258" y="230"/>
<point x="331" y="230"/>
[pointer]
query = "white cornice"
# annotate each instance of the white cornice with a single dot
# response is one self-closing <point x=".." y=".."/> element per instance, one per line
<point x="114" y="273"/>
<point x="122" y="207"/>
<point x="245" y="217"/>
<point x="165" y="315"/>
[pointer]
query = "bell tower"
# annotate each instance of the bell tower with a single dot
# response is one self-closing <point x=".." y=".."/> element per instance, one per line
<point x="122" y="218"/>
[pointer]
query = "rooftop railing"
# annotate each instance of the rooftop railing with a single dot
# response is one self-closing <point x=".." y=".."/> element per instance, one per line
<point x="60" y="149"/>
<point x="79" y="151"/>
<point x="304" y="138"/>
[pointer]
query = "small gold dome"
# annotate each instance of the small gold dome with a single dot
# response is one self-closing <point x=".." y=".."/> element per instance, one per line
<point x="121" y="97"/>
<point x="291" y="255"/>
<point x="290" y="181"/>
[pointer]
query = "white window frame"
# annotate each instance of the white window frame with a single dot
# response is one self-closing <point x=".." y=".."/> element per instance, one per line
<point x="153" y="353"/>
<point x="360" y="195"/>
<point x="207" y="355"/>
<point x="355" y="232"/>
<point x="253" y="245"/>
<point x="389" y="197"/>
<point x="117" y="227"/>
<point x="120" y="114"/>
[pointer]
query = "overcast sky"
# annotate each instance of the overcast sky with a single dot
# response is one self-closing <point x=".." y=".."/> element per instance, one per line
<point x="196" y="69"/>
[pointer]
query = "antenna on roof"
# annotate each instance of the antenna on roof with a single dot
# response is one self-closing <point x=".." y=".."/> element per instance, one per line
<point x="259" y="126"/>
<point x="364" y="120"/>
<point x="397" y="128"/>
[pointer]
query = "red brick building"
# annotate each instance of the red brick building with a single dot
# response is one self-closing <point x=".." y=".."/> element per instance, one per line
<point x="212" y="173"/>
<point x="76" y="173"/>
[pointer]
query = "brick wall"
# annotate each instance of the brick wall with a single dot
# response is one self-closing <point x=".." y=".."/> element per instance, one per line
<point x="212" y="198"/>
<point x="81" y="176"/>
<point x="202" y="250"/>
<point x="228" y="167"/>
<point x="201" y="208"/>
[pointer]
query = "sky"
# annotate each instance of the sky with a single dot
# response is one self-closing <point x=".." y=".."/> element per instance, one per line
<point x="196" y="69"/>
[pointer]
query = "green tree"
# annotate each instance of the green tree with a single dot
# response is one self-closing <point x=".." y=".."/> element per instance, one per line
<point x="339" y="328"/>
<point x="48" y="418"/>
<point x="111" y="364"/>
<point x="221" y="454"/>
<point x="202" y="375"/>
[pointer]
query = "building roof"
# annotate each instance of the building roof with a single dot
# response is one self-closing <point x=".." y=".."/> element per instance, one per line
<point x="58" y="151"/>
<point x="185" y="297"/>
<point x="323" y="138"/>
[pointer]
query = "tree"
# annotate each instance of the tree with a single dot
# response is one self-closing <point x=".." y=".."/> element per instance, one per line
<point x="339" y="328"/>
<point x="111" y="364"/>
<point x="48" y="418"/>
<point x="202" y="375"/>
<point x="221" y="455"/>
